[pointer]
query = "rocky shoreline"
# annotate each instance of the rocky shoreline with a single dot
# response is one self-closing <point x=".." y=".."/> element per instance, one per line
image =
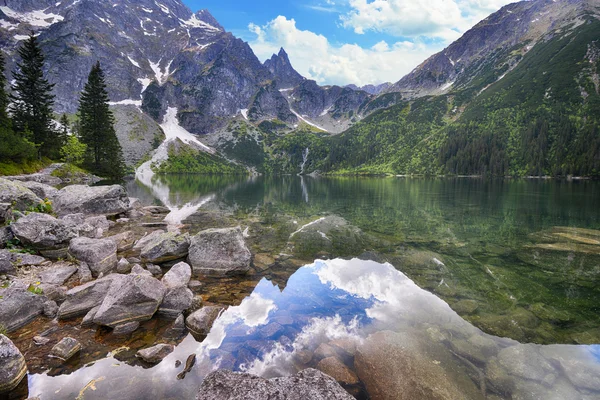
<point x="92" y="257"/>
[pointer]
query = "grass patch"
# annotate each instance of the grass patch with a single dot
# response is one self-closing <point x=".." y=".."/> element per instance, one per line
<point x="8" y="168"/>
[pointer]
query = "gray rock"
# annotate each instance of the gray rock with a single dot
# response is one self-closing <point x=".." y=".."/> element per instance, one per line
<point x="40" y="340"/>
<point x="123" y="266"/>
<point x="58" y="274"/>
<point x="88" y="320"/>
<point x="124" y="240"/>
<point x="219" y="252"/>
<point x="175" y="302"/>
<point x="83" y="273"/>
<point x="130" y="298"/>
<point x="66" y="348"/>
<point x="6" y="262"/>
<point x="6" y="235"/>
<point x="155" y="270"/>
<point x="178" y="276"/>
<point x="126" y="328"/>
<point x="92" y="227"/>
<point x="140" y="244"/>
<point x="81" y="299"/>
<point x="50" y="309"/>
<point x="41" y="190"/>
<point x="5" y="213"/>
<point x="48" y="235"/>
<point x="99" y="254"/>
<point x="195" y="286"/>
<point x="155" y="354"/>
<point x="54" y="292"/>
<point x="97" y="200"/>
<point x="306" y="384"/>
<point x="179" y="324"/>
<point x="138" y="270"/>
<point x="200" y="321"/>
<point x="17" y="194"/>
<point x="22" y="259"/>
<point x="13" y="364"/>
<point x="135" y="203"/>
<point x="19" y="307"/>
<point x="166" y="247"/>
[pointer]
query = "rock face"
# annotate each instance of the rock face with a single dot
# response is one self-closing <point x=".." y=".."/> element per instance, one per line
<point x="130" y="298"/>
<point x="386" y="356"/>
<point x="307" y="384"/>
<point x="81" y="299"/>
<point x="48" y="235"/>
<point x="165" y="247"/>
<point x="155" y="354"/>
<point x="200" y="322"/>
<point x="219" y="252"/>
<point x="99" y="254"/>
<point x="17" y="194"/>
<point x="97" y="200"/>
<point x="13" y="364"/>
<point x="19" y="307"/>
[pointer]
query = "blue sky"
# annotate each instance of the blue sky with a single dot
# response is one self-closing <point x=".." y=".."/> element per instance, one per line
<point x="349" y="41"/>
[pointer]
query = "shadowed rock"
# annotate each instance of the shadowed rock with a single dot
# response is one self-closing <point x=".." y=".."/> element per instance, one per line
<point x="13" y="368"/>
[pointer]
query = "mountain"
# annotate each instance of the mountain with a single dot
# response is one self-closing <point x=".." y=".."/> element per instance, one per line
<point x="372" y="89"/>
<point x="281" y="68"/>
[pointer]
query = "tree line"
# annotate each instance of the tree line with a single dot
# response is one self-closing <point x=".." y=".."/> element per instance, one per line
<point x="28" y="129"/>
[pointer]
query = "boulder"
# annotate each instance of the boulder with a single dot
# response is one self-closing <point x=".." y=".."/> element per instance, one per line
<point x="96" y="200"/>
<point x="155" y="270"/>
<point x="92" y="227"/>
<point x="17" y="194"/>
<point x="6" y="235"/>
<point x="306" y="384"/>
<point x="41" y="190"/>
<point x="175" y="302"/>
<point x="58" y="274"/>
<point x="168" y="246"/>
<point x="66" y="348"/>
<point x="54" y="292"/>
<point x="5" y="213"/>
<point x="6" y="262"/>
<point x="83" y="273"/>
<point x="178" y="276"/>
<point x="124" y="240"/>
<point x="13" y="364"/>
<point x="219" y="252"/>
<point x="123" y="266"/>
<point x="199" y="322"/>
<point x="138" y="270"/>
<point x="155" y="354"/>
<point x="88" y="320"/>
<point x="99" y="254"/>
<point x="140" y="244"/>
<point x="426" y="369"/>
<point x="81" y="299"/>
<point x="130" y="298"/>
<point x="19" y="307"/>
<point x="43" y="232"/>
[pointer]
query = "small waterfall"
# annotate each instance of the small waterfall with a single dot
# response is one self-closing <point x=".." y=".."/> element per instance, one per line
<point x="304" y="160"/>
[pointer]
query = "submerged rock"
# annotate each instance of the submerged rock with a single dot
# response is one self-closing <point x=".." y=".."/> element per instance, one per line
<point x="200" y="322"/>
<point x="333" y="367"/>
<point x="96" y="200"/>
<point x="130" y="298"/>
<point x="13" y="368"/>
<point x="155" y="354"/>
<point x="307" y="384"/>
<point x="219" y="252"/>
<point x="66" y="348"/>
<point x="99" y="254"/>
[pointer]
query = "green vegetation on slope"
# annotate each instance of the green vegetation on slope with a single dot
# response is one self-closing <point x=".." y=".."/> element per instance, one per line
<point x="184" y="159"/>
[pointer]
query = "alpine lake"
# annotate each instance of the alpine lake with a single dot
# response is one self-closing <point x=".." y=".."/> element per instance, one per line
<point x="427" y="287"/>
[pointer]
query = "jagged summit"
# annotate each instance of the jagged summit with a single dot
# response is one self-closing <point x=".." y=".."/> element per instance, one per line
<point x="281" y="67"/>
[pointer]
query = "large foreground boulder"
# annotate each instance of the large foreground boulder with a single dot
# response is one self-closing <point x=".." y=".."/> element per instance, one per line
<point x="219" y="252"/>
<point x="165" y="247"/>
<point x="43" y="232"/>
<point x="17" y="194"/>
<point x="13" y="368"/>
<point x="199" y="322"/>
<point x="307" y="384"/>
<point x="96" y="200"/>
<point x="19" y="307"/>
<point x="99" y="254"/>
<point x="81" y="299"/>
<point x="131" y="298"/>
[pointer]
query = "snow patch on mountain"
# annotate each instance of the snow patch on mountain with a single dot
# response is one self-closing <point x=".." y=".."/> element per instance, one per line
<point x="37" y="18"/>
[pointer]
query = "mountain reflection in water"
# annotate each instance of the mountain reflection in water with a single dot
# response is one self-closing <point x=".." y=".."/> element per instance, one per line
<point x="341" y="308"/>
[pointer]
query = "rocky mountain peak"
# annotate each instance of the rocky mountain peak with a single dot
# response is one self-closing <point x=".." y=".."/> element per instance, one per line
<point x="283" y="71"/>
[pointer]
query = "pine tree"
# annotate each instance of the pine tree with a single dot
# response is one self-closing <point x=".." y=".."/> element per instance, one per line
<point x="13" y="147"/>
<point x="96" y="130"/>
<point x="32" y="100"/>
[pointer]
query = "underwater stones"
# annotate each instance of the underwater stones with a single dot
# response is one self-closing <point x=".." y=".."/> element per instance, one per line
<point x="13" y="365"/>
<point x="178" y="276"/>
<point x="130" y="298"/>
<point x="200" y="321"/>
<point x="99" y="254"/>
<point x="525" y="361"/>
<point x="578" y="364"/>
<point x="165" y="247"/>
<point x="386" y="355"/>
<point x="19" y="307"/>
<point x="307" y="384"/>
<point x="96" y="200"/>
<point x="219" y="252"/>
<point x="333" y="367"/>
<point x="155" y="354"/>
<point x="66" y="348"/>
<point x="465" y="306"/>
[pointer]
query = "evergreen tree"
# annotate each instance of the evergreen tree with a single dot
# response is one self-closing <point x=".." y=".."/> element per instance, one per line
<point x="13" y="147"/>
<point x="32" y="100"/>
<point x="96" y="129"/>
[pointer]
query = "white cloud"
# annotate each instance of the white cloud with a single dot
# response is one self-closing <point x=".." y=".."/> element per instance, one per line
<point x="441" y="19"/>
<point x="313" y="56"/>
